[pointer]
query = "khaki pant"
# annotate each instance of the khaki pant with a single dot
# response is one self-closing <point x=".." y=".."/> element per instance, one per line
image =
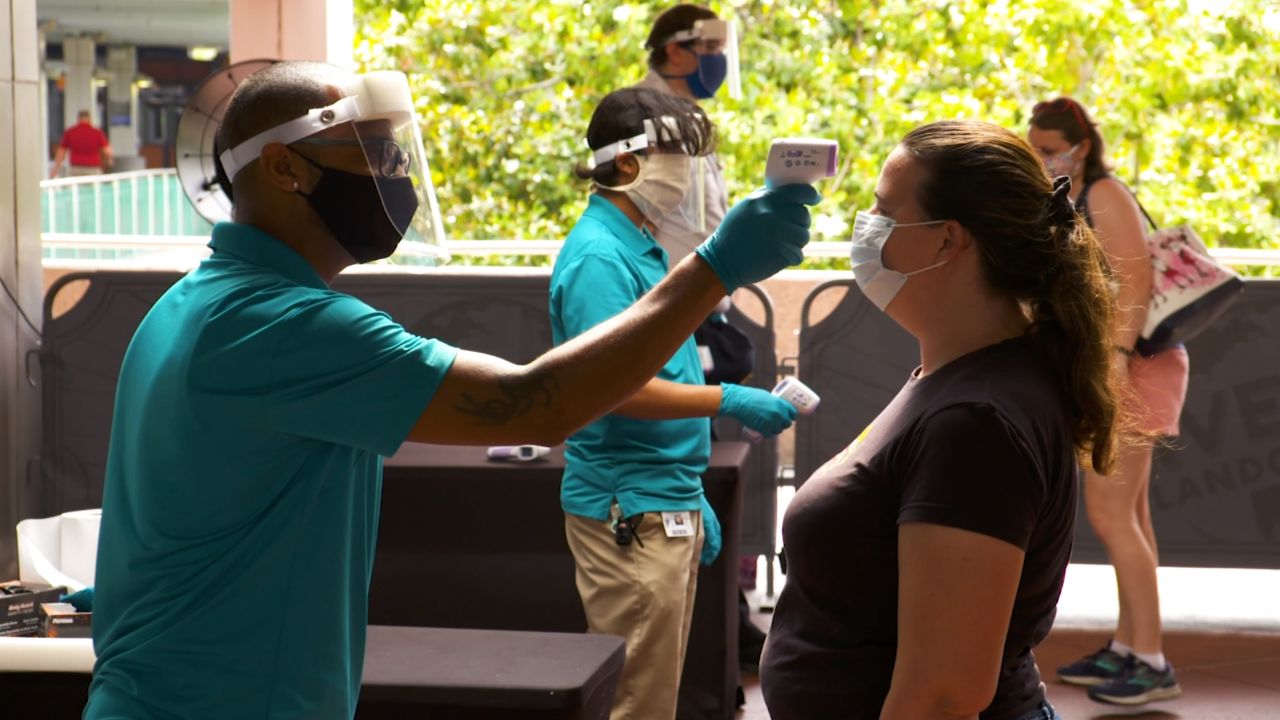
<point x="645" y="596"/>
<point x="82" y="170"/>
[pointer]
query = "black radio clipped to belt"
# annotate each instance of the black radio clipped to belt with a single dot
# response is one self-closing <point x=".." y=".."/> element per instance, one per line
<point x="624" y="530"/>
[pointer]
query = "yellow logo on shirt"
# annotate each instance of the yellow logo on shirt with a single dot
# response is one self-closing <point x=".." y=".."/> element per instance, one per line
<point x="845" y="453"/>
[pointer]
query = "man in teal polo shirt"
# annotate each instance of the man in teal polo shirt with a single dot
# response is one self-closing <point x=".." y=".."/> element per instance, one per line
<point x="632" y="488"/>
<point x="255" y="404"/>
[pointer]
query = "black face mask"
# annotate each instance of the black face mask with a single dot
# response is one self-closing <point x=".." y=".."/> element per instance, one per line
<point x="368" y="215"/>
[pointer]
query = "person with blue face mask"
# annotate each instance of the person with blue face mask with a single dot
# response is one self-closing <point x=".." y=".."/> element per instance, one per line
<point x="693" y="54"/>
<point x="636" y="519"/>
<point x="925" y="560"/>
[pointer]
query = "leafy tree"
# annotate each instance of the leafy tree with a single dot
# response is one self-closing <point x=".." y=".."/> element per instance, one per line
<point x="1186" y="93"/>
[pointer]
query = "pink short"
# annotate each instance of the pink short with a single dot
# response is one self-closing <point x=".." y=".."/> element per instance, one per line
<point x="1160" y="388"/>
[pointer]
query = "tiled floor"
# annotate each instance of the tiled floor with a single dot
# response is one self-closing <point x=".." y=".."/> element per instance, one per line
<point x="1223" y="636"/>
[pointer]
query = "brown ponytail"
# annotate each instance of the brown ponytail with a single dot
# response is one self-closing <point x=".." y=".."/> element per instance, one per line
<point x="1036" y="248"/>
<point x="1072" y="322"/>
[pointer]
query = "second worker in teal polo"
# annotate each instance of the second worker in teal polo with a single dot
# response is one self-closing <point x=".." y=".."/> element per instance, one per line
<point x="632" y="492"/>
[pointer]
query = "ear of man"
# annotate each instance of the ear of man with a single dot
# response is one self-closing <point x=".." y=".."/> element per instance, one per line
<point x="680" y="59"/>
<point x="282" y="169"/>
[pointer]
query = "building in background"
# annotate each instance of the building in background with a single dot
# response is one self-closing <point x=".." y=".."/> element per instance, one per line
<point x="132" y="64"/>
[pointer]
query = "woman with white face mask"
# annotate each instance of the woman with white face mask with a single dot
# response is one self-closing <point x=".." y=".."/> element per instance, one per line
<point x="926" y="559"/>
<point x="636" y="519"/>
<point x="1131" y="669"/>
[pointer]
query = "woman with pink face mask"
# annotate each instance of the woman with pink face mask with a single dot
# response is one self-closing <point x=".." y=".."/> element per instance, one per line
<point x="1132" y="668"/>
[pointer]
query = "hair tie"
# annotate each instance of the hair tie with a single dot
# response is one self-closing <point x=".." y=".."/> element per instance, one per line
<point x="1062" y="211"/>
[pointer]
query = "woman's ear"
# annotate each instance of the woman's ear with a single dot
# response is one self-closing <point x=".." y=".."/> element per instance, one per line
<point x="1085" y="145"/>
<point x="626" y="168"/>
<point x="956" y="240"/>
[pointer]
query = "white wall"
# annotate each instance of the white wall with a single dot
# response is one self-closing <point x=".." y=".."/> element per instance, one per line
<point x="21" y="169"/>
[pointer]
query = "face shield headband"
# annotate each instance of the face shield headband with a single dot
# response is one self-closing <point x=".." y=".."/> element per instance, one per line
<point x="383" y="122"/>
<point x="718" y="59"/>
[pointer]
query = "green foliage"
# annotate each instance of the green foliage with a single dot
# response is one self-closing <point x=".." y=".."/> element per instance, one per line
<point x="1186" y="93"/>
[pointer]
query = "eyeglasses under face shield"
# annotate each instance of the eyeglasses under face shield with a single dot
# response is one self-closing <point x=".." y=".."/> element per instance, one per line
<point x="385" y="157"/>
<point x="377" y="117"/>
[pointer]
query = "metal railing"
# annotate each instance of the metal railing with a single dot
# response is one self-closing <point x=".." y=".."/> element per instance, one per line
<point x="146" y="244"/>
<point x="137" y="203"/>
<point x="1229" y="256"/>
<point x="123" y="216"/>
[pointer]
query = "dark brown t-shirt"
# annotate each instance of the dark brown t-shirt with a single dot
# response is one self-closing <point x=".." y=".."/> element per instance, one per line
<point x="982" y="444"/>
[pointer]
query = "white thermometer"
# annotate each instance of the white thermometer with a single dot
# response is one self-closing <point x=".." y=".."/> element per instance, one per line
<point x="523" y="453"/>
<point x="795" y="392"/>
<point x="800" y="160"/>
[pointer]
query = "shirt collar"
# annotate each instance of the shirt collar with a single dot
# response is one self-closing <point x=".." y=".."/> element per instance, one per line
<point x="636" y="239"/>
<point x="654" y="81"/>
<point x="258" y="248"/>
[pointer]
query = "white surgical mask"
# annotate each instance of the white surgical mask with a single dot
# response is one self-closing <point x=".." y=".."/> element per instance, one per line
<point x="877" y="282"/>
<point x="661" y="185"/>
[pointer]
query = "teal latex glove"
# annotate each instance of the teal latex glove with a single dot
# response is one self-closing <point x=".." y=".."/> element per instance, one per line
<point x="756" y="409"/>
<point x="711" y="539"/>
<point x="760" y="235"/>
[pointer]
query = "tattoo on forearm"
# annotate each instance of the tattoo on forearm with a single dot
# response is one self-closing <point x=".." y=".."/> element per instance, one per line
<point x="515" y="399"/>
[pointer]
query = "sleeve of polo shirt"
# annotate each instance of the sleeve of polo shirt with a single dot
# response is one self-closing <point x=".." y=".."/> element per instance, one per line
<point x="348" y="374"/>
<point x="969" y="469"/>
<point x="592" y="289"/>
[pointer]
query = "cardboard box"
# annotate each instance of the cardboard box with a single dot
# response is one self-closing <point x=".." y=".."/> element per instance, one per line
<point x="62" y="620"/>
<point x="20" y="606"/>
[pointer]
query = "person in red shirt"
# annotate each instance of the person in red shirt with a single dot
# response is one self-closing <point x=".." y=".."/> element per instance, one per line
<point x="90" y="150"/>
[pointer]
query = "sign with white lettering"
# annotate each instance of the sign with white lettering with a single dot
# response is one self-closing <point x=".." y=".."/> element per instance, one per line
<point x="1215" y="490"/>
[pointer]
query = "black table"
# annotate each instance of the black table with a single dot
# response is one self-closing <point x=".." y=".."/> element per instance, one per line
<point x="465" y="542"/>
<point x="414" y="672"/>
<point x="490" y="674"/>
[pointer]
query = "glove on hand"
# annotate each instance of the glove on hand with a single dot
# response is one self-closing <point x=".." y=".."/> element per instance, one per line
<point x="760" y="235"/>
<point x="710" y="533"/>
<point x="756" y="409"/>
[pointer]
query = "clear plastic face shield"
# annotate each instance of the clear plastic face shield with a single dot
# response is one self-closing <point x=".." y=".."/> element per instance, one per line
<point x="716" y="43"/>
<point x="670" y="181"/>
<point x="376" y="120"/>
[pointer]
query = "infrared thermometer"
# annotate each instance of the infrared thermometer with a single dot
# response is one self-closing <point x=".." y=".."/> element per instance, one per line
<point x="523" y="453"/>
<point x="800" y="160"/>
<point x="795" y="392"/>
